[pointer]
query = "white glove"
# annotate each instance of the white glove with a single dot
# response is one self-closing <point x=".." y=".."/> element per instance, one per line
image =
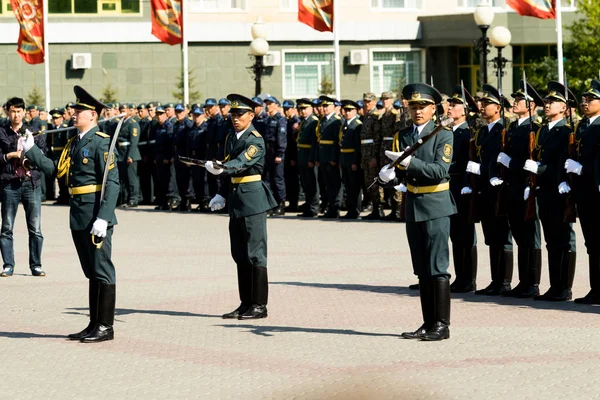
<point x="26" y="142"/>
<point x="564" y="188"/>
<point x="401" y="188"/>
<point x="531" y="166"/>
<point x="503" y="159"/>
<point x="474" y="168"/>
<point x="496" y="181"/>
<point x="393" y="155"/>
<point x="217" y="203"/>
<point x="466" y="190"/>
<point x="99" y="228"/>
<point x="215" y="171"/>
<point x="526" y="193"/>
<point x="573" y="166"/>
<point x="386" y="173"/>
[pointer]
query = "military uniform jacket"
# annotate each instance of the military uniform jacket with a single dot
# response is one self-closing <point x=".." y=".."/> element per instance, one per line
<point x="224" y="127"/>
<point x="370" y="136"/>
<point x="428" y="168"/>
<point x="387" y="124"/>
<point x="551" y="152"/>
<point x="163" y="147"/>
<point x="180" y="140"/>
<point x="129" y="137"/>
<point x="276" y="136"/>
<point x="291" y="149"/>
<point x="196" y="144"/>
<point x="517" y="147"/>
<point x="260" y="122"/>
<point x="350" y="142"/>
<point x="588" y="155"/>
<point x="460" y="158"/>
<point x="328" y="134"/>
<point x="246" y="158"/>
<point x="488" y="148"/>
<point x="211" y="136"/>
<point x="307" y="140"/>
<point x="56" y="141"/>
<point x="144" y="144"/>
<point x="88" y="157"/>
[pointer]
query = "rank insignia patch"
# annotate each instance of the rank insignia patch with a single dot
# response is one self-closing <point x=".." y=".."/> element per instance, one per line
<point x="252" y="151"/>
<point x="447" y="150"/>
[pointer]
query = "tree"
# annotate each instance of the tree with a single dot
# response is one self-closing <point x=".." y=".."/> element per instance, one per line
<point x="326" y="86"/>
<point x="581" y="52"/>
<point x="195" y="95"/>
<point x="109" y="95"/>
<point x="35" y="96"/>
<point x="541" y="72"/>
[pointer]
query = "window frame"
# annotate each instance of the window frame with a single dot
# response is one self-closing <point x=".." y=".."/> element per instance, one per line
<point x="372" y="62"/>
<point x="284" y="90"/>
<point x="195" y="7"/>
<point x="380" y="8"/>
<point x="118" y="13"/>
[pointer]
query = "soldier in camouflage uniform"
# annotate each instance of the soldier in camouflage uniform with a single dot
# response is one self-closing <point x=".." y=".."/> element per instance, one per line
<point x="388" y="123"/>
<point x="370" y="144"/>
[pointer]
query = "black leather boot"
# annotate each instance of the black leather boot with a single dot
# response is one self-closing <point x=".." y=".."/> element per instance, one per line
<point x="441" y="311"/>
<point x="93" y="302"/>
<point x="495" y="259"/>
<point x="259" y="296"/>
<point x="244" y="276"/>
<point x="534" y="273"/>
<point x="555" y="261"/>
<point x="280" y="209"/>
<point x="377" y="214"/>
<point x="103" y="330"/>
<point x="426" y="295"/>
<point x="416" y="286"/>
<point x="394" y="215"/>
<point x="593" y="297"/>
<point x="569" y="261"/>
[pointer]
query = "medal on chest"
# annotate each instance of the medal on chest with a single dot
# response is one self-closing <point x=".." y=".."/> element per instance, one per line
<point x="86" y="154"/>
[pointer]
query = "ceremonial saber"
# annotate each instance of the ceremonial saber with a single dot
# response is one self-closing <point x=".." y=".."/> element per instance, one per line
<point x="200" y="163"/>
<point x="70" y="128"/>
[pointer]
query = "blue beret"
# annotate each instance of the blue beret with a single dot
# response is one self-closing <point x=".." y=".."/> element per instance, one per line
<point x="397" y="104"/>
<point x="288" y="104"/>
<point x="210" y="102"/>
<point x="316" y="102"/>
<point x="160" y="109"/>
<point x="257" y="100"/>
<point x="179" y="107"/>
<point x="224" y="102"/>
<point x="198" y="111"/>
<point x="360" y="103"/>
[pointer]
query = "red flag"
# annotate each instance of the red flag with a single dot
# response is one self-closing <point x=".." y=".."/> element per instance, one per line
<point x="318" y="14"/>
<point x="544" y="9"/>
<point x="30" y="15"/>
<point x="167" y="21"/>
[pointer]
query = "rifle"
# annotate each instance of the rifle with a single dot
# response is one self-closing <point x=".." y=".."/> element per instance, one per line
<point x="199" y="163"/>
<point x="444" y="123"/>
<point x="570" y="214"/>
<point x="530" y="207"/>
<point x="473" y="179"/>
<point x="500" y="205"/>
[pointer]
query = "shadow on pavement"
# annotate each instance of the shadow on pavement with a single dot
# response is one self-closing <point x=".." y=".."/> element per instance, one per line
<point x="271" y="330"/>
<point x="354" y="286"/>
<point x="29" y="335"/>
<point x="127" y="311"/>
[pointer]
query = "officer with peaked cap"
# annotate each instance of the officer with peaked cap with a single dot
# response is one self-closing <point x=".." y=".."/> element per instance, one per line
<point x="370" y="139"/>
<point x="57" y="142"/>
<point x="526" y="230"/>
<point x="428" y="207"/>
<point x="275" y="136"/>
<point x="129" y="156"/>
<point x="552" y="148"/>
<point x="496" y="231"/>
<point x="350" y="157"/>
<point x="92" y="218"/>
<point x="249" y="200"/>
<point x="462" y="226"/>
<point x="307" y="154"/>
<point x="584" y="174"/>
<point x="290" y="169"/>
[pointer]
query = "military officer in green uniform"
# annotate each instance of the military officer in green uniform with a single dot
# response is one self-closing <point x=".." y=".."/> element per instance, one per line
<point x="552" y="147"/>
<point x="57" y="142"/>
<point x="389" y="121"/>
<point x="91" y="218"/>
<point x="429" y="205"/>
<point x="370" y="139"/>
<point x="307" y="154"/>
<point x="129" y="155"/>
<point x="249" y="200"/>
<point x="350" y="157"/>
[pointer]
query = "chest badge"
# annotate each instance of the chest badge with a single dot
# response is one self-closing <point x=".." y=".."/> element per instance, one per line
<point x="85" y="161"/>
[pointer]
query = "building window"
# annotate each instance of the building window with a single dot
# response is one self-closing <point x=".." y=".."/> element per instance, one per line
<point x="567" y="4"/>
<point x="5" y="8"/>
<point x="468" y="68"/>
<point x="218" y="5"/>
<point x="288" y="5"/>
<point x="392" y="70"/>
<point x="306" y="73"/>
<point x="397" y="4"/>
<point x="526" y="56"/>
<point x="102" y="7"/>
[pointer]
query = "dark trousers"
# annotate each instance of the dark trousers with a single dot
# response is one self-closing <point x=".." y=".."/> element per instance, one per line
<point x="95" y="262"/>
<point x="589" y="219"/>
<point x="63" y="191"/>
<point x="428" y="242"/>
<point x="148" y="179"/>
<point x="333" y="183"/>
<point x="133" y="183"/>
<point x="559" y="235"/>
<point x="49" y="187"/>
<point x="13" y="193"/>
<point x="213" y="185"/>
<point x="183" y="175"/>
<point x="292" y="184"/>
<point x="352" y="184"/>
<point x="322" y="186"/>
<point x="248" y="238"/>
<point x="198" y="182"/>
<point x="527" y="234"/>
<point x="164" y="177"/>
<point x="273" y="176"/>
<point x="308" y="178"/>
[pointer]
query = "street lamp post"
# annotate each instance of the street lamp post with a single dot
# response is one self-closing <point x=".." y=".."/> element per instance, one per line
<point x="258" y="48"/>
<point x="484" y="16"/>
<point x="500" y="38"/>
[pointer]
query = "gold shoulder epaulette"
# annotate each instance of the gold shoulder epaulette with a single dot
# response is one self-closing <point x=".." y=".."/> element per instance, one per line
<point x="255" y="133"/>
<point x="102" y="134"/>
<point x="359" y="122"/>
<point x="376" y="113"/>
<point x="393" y="111"/>
<point x="337" y="116"/>
<point x="314" y="117"/>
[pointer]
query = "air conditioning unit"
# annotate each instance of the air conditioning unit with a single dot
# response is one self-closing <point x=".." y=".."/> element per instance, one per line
<point x="81" y="60"/>
<point x="359" y="57"/>
<point x="272" y="59"/>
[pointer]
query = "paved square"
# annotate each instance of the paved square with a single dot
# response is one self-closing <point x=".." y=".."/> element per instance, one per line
<point x="338" y="303"/>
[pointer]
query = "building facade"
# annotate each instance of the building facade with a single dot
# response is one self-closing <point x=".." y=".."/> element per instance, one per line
<point x="384" y="44"/>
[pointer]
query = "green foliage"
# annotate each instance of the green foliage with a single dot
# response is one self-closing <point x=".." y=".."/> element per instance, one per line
<point x="540" y="73"/>
<point x="326" y="87"/>
<point x="35" y="96"/>
<point x="195" y="95"/>
<point x="581" y="53"/>
<point x="109" y="95"/>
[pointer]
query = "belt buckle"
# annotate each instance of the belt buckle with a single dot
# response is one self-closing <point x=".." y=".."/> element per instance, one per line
<point x="415" y="189"/>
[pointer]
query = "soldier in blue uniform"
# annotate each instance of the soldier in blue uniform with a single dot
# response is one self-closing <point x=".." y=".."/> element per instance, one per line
<point x="526" y="231"/>
<point x="275" y="136"/>
<point x="290" y="168"/>
<point x="163" y="153"/>
<point x="56" y="144"/>
<point x="584" y="172"/>
<point x="181" y="130"/>
<point x="350" y="133"/>
<point x="552" y="148"/>
<point x="213" y="119"/>
<point x="428" y="207"/>
<point x="146" y="164"/>
<point x="92" y="218"/>
<point x="260" y="116"/>
<point x="328" y="134"/>
<point x="224" y="127"/>
<point x="307" y="154"/>
<point x="249" y="201"/>
<point x="197" y="149"/>
<point x="129" y="155"/>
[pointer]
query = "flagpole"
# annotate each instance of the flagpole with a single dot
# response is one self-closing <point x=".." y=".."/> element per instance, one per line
<point x="184" y="50"/>
<point x="46" y="55"/>
<point x="336" y="51"/>
<point x="559" y="42"/>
